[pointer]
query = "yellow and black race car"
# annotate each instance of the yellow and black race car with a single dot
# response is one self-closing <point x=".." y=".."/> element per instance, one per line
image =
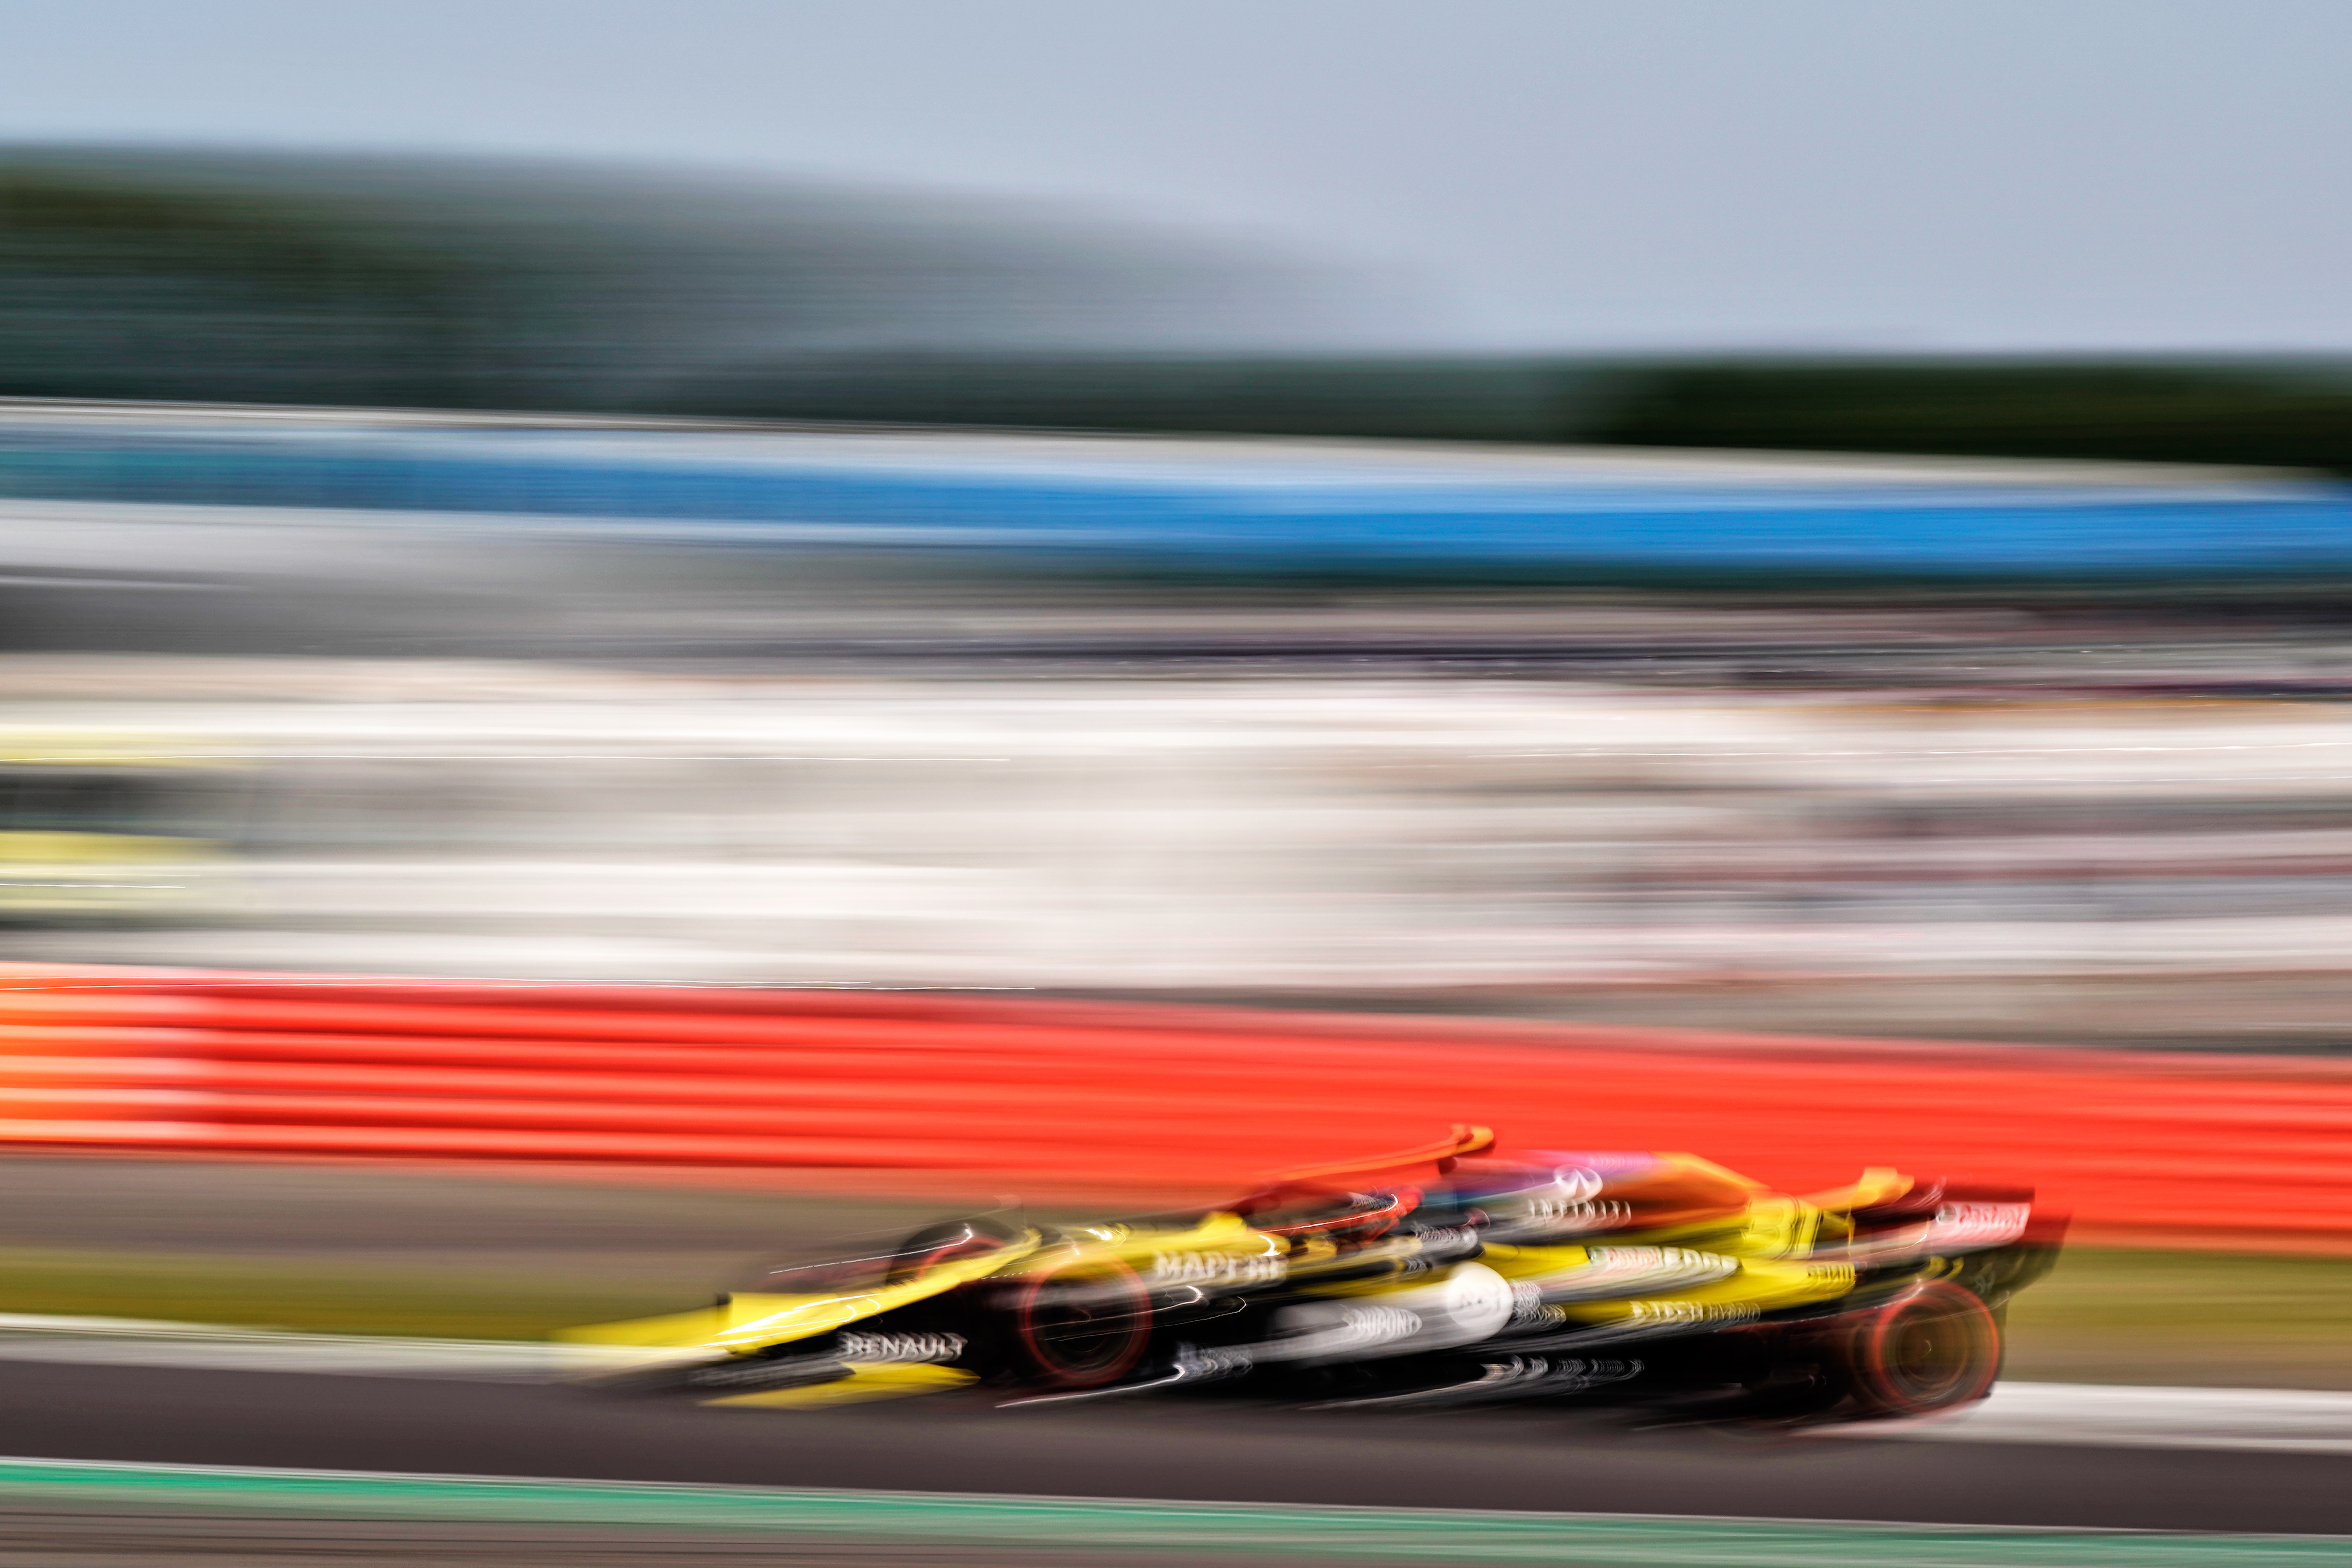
<point x="1442" y="1275"/>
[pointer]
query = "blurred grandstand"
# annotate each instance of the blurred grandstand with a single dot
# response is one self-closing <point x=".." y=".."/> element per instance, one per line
<point x="615" y="687"/>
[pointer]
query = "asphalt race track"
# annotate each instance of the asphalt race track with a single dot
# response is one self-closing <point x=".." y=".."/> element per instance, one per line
<point x="1198" y="1449"/>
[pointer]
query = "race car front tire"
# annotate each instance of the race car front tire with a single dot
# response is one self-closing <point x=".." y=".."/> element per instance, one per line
<point x="1081" y="1323"/>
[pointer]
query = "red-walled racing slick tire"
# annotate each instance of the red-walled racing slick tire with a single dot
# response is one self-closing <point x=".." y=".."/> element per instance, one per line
<point x="1079" y="1324"/>
<point x="1935" y="1347"/>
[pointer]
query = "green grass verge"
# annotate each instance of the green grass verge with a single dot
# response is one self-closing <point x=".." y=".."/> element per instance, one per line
<point x="338" y="1298"/>
<point x="2219" y="1319"/>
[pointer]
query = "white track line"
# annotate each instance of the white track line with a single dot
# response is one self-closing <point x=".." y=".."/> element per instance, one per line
<point x="140" y="1341"/>
<point x="2287" y="1420"/>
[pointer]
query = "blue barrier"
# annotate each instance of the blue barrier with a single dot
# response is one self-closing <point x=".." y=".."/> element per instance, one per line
<point x="1215" y="504"/>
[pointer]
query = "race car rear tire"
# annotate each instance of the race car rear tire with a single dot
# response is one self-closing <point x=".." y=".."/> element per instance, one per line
<point x="1936" y="1347"/>
<point x="1080" y="1323"/>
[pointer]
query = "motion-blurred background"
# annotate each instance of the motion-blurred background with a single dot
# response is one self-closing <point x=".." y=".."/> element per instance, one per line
<point x="1583" y="514"/>
<point x="1820" y="521"/>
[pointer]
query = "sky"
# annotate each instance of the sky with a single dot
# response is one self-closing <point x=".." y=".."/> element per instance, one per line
<point x="2062" y="175"/>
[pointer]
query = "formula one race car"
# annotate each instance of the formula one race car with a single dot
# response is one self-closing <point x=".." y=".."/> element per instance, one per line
<point x="1443" y="1275"/>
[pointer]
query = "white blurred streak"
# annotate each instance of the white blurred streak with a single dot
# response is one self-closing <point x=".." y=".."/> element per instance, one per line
<point x="1236" y="834"/>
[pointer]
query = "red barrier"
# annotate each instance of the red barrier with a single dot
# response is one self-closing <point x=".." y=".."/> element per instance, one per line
<point x="1129" y="1099"/>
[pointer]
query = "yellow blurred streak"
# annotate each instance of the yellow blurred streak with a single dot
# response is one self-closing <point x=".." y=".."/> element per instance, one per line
<point x="878" y="1380"/>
